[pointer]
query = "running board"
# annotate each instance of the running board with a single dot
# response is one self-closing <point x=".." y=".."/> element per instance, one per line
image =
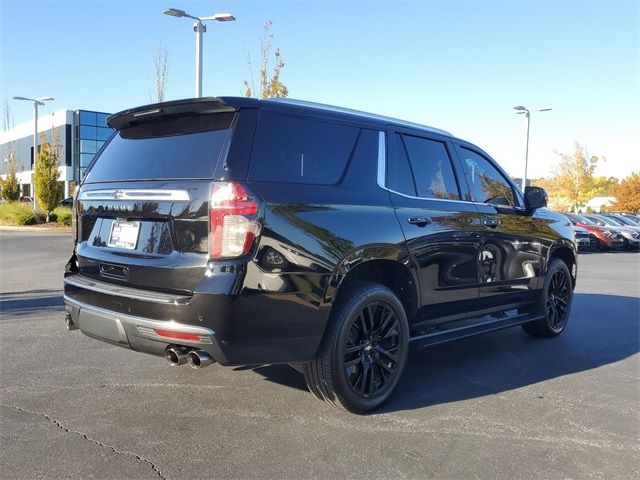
<point x="443" y="334"/>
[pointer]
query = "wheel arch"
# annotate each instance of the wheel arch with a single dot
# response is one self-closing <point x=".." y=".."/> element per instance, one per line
<point x="388" y="265"/>
<point x="567" y="254"/>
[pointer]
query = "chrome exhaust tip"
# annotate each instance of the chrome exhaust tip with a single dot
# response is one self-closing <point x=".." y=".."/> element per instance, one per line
<point x="199" y="359"/>
<point x="176" y="355"/>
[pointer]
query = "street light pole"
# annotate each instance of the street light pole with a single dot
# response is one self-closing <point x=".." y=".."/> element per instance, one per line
<point x="36" y="102"/>
<point x="526" y="153"/>
<point x="523" y="110"/>
<point x="199" y="27"/>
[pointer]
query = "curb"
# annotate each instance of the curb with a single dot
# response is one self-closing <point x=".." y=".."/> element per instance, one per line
<point x="25" y="228"/>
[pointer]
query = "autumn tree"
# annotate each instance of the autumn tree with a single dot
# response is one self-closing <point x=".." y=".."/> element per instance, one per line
<point x="269" y="83"/>
<point x="627" y="194"/>
<point x="574" y="182"/>
<point x="162" y="71"/>
<point x="46" y="175"/>
<point x="9" y="186"/>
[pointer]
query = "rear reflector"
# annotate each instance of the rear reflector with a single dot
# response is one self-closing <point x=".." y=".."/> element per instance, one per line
<point x="192" y="337"/>
<point x="166" y="335"/>
<point x="233" y="220"/>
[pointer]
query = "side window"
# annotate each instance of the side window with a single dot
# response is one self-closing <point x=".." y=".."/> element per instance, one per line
<point x="296" y="150"/>
<point x="486" y="183"/>
<point x="399" y="177"/>
<point x="420" y="168"/>
<point x="432" y="169"/>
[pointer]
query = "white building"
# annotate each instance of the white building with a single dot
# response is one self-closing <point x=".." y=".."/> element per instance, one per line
<point x="81" y="134"/>
<point x="596" y="203"/>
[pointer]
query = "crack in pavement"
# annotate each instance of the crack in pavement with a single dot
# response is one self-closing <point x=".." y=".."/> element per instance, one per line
<point x="86" y="437"/>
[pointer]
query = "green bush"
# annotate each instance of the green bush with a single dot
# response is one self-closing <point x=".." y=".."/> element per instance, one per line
<point x="62" y="215"/>
<point x="9" y="212"/>
<point x="26" y="217"/>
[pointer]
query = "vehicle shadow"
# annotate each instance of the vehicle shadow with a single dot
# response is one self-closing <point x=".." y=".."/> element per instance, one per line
<point x="23" y="303"/>
<point x="603" y="329"/>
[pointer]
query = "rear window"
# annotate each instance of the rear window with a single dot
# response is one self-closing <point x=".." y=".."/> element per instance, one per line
<point x="295" y="150"/>
<point x="187" y="147"/>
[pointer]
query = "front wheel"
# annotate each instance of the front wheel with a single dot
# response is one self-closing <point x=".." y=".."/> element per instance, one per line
<point x="555" y="302"/>
<point x="364" y="350"/>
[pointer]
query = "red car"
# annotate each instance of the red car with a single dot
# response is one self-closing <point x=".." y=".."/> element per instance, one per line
<point x="608" y="237"/>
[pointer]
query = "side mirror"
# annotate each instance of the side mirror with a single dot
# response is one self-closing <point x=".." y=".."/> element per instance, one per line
<point x="534" y="198"/>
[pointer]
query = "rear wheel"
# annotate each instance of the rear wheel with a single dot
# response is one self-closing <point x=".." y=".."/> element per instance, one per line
<point x="554" y="303"/>
<point x="364" y="350"/>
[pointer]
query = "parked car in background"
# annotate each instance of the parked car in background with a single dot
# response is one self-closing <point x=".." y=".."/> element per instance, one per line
<point x="607" y="237"/>
<point x="630" y="234"/>
<point x="585" y="240"/>
<point x="245" y="231"/>
<point x="633" y="218"/>
<point x="625" y="220"/>
<point x="67" y="202"/>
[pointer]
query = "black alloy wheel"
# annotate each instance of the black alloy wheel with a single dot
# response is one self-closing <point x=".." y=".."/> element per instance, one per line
<point x="554" y="305"/>
<point x="371" y="351"/>
<point x="363" y="351"/>
<point x="558" y="298"/>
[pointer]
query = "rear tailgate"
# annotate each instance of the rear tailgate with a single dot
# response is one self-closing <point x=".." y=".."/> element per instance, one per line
<point x="143" y="208"/>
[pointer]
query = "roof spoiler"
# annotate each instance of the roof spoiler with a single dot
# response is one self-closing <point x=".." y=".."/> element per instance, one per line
<point x="195" y="106"/>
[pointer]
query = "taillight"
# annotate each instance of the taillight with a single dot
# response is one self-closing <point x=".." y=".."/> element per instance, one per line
<point x="233" y="220"/>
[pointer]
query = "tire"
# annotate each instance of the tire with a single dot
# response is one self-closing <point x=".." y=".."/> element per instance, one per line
<point x="364" y="349"/>
<point x="554" y="303"/>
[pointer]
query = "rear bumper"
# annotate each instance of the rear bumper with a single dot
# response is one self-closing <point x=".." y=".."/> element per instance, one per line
<point x="140" y="333"/>
<point x="149" y="322"/>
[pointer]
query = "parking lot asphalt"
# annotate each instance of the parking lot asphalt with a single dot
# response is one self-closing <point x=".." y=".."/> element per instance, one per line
<point x="498" y="406"/>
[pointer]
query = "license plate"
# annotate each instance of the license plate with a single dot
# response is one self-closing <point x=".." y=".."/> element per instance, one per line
<point x="124" y="234"/>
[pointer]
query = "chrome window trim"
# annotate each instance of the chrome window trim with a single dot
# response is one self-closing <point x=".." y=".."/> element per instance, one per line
<point x="382" y="177"/>
<point x="382" y="160"/>
<point x="382" y="166"/>
<point x="159" y="194"/>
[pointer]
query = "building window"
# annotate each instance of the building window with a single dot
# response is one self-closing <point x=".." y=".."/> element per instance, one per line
<point x="92" y="133"/>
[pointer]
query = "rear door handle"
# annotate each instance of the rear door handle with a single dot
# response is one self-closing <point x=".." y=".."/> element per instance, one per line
<point x="491" y="222"/>
<point x="419" y="221"/>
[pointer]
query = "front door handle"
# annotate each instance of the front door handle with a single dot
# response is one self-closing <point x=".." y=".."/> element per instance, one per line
<point x="491" y="222"/>
<point x="419" y="221"/>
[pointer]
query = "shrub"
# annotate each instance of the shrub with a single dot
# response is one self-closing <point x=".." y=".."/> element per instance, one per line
<point x="62" y="216"/>
<point x="27" y="217"/>
<point x="9" y="212"/>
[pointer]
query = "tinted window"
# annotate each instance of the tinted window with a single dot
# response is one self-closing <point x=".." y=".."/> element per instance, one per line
<point x="399" y="176"/>
<point x="581" y="219"/>
<point x="182" y="148"/>
<point x="293" y="150"/>
<point x="486" y="183"/>
<point x="431" y="166"/>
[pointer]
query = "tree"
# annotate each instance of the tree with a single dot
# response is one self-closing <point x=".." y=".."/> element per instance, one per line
<point x="574" y="182"/>
<point x="9" y="187"/>
<point x="162" y="71"/>
<point x="270" y="85"/>
<point x="46" y="177"/>
<point x="627" y="194"/>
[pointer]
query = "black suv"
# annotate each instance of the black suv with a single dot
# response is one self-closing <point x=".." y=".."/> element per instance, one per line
<point x="246" y="232"/>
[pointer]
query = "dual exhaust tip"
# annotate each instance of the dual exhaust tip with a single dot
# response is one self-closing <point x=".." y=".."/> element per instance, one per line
<point x="177" y="356"/>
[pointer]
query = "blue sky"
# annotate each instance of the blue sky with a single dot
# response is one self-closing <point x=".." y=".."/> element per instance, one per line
<point x="459" y="66"/>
